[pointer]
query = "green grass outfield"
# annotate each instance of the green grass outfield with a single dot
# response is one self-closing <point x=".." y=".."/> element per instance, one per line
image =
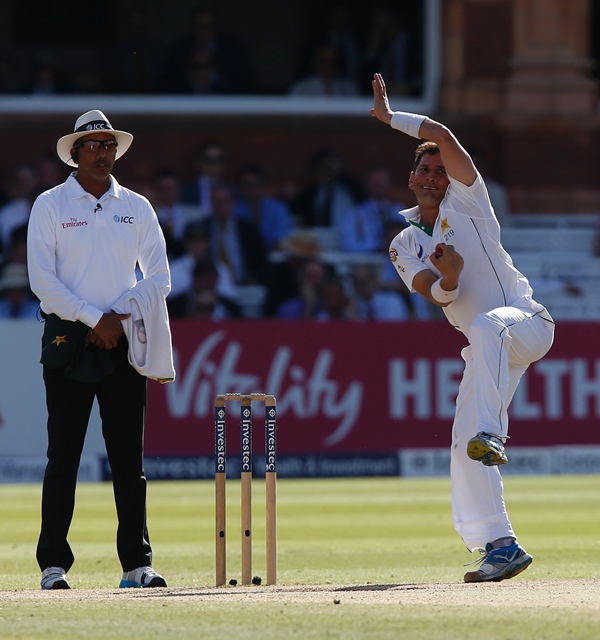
<point x="389" y="540"/>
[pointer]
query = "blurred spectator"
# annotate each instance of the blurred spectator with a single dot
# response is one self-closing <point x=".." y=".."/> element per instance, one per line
<point x="16" y="298"/>
<point x="272" y="216"/>
<point x="51" y="171"/>
<point x="23" y="191"/>
<point x="283" y="275"/>
<point x="45" y="80"/>
<point x="210" y="167"/>
<point x="173" y="214"/>
<point x="203" y="76"/>
<point x="138" y="56"/>
<point x="307" y="302"/>
<point x="372" y="302"/>
<point x="361" y="229"/>
<point x="207" y="41"/>
<point x="91" y="79"/>
<point x="325" y="80"/>
<point x="330" y="193"/>
<point x="333" y="301"/>
<point x="17" y="250"/>
<point x="10" y="78"/>
<point x="386" y="51"/>
<point x="196" y="245"/>
<point x="339" y="30"/>
<point x="234" y="243"/>
<point x="206" y="301"/>
<point x="204" y="306"/>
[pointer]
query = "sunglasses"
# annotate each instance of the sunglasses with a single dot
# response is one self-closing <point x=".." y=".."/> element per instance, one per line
<point x="93" y="146"/>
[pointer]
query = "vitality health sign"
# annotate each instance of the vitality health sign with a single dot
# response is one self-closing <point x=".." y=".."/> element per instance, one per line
<point x="363" y="388"/>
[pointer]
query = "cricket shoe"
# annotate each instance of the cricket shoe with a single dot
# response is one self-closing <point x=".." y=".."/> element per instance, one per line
<point x="54" y="578"/>
<point x="488" y="448"/>
<point x="142" y="577"/>
<point x="499" y="564"/>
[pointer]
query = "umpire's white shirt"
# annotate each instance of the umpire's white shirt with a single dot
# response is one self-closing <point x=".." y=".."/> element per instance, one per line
<point x="82" y="252"/>
<point x="489" y="279"/>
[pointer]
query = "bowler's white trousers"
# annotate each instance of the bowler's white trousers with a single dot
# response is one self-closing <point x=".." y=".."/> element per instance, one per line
<point x="502" y="344"/>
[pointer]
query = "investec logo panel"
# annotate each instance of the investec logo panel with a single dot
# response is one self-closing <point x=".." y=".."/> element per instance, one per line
<point x="123" y="219"/>
<point x="246" y="440"/>
<point x="220" y="458"/>
<point x="271" y="441"/>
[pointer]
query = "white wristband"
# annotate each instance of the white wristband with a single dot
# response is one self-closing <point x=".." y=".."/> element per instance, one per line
<point x="441" y="295"/>
<point x="409" y="123"/>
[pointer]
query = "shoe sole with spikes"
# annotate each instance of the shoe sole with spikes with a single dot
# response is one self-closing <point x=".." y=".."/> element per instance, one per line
<point x="487" y="449"/>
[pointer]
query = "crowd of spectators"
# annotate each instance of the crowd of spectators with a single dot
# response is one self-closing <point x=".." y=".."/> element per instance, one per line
<point x="340" y="46"/>
<point x="227" y="236"/>
<point x="320" y="253"/>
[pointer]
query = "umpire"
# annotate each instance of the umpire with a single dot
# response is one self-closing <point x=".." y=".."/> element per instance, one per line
<point x="85" y="239"/>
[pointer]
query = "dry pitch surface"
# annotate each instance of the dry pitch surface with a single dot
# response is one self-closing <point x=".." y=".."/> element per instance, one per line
<point x="572" y="594"/>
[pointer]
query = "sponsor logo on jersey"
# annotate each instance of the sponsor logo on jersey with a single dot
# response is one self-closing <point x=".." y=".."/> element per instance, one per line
<point x="420" y="251"/>
<point x="123" y="219"/>
<point x="73" y="222"/>
<point x="393" y="254"/>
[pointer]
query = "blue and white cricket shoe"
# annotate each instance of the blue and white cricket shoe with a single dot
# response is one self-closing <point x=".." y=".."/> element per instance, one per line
<point x="142" y="577"/>
<point x="500" y="564"/>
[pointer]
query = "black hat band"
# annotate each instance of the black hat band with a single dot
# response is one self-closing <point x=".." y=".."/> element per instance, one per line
<point x="95" y="125"/>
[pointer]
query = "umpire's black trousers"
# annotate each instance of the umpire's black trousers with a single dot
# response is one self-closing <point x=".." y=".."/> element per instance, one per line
<point x="122" y="402"/>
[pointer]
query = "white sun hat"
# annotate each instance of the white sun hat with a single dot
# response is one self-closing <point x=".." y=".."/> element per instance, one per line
<point x="88" y="123"/>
